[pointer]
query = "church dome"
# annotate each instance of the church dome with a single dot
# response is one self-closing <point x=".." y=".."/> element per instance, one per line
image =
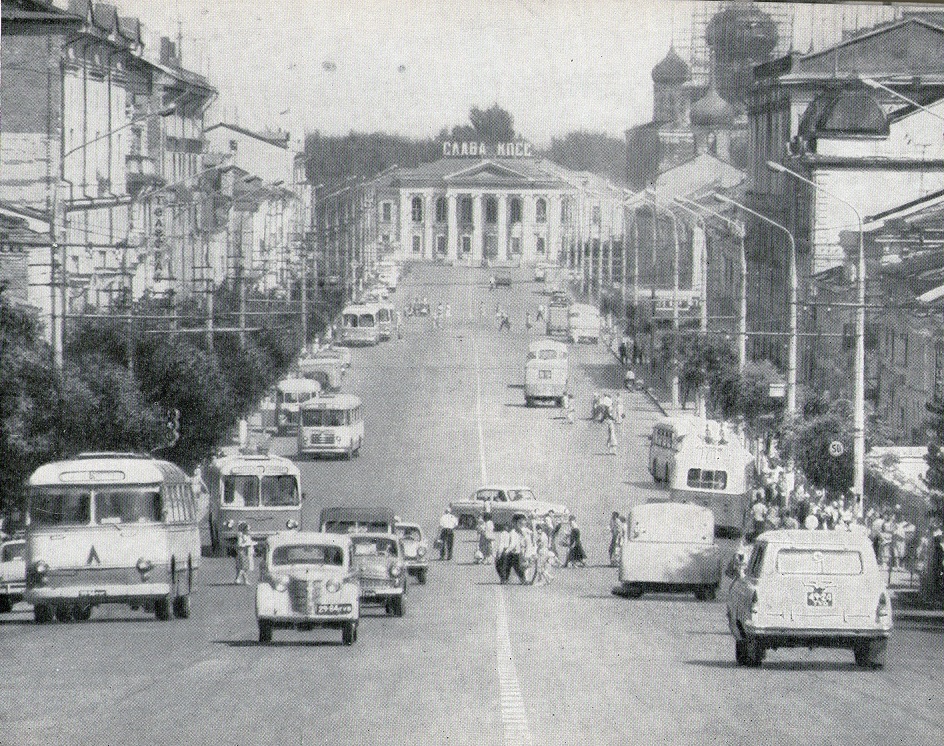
<point x="712" y="111"/>
<point x="742" y="32"/>
<point x="671" y="70"/>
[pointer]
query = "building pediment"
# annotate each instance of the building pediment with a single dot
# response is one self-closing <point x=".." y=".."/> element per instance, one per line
<point x="489" y="172"/>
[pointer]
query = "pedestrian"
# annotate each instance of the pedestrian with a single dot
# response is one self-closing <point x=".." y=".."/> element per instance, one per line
<point x="612" y="441"/>
<point x="575" y="552"/>
<point x="502" y="544"/>
<point x="759" y="515"/>
<point x="505" y="322"/>
<point x="488" y="548"/>
<point x="540" y="315"/>
<point x="567" y="403"/>
<point x="481" y="309"/>
<point x="615" y="531"/>
<point x="244" y="554"/>
<point x="399" y="322"/>
<point x="448" y="311"/>
<point x="518" y="548"/>
<point x="622" y="351"/>
<point x="527" y="320"/>
<point x="620" y="410"/>
<point x="447" y="534"/>
<point x="630" y="379"/>
<point x="542" y="557"/>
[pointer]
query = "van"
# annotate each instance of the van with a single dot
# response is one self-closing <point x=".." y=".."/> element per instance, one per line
<point x="546" y="373"/>
<point x="583" y="323"/>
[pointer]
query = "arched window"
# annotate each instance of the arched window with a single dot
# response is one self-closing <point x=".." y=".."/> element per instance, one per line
<point x="540" y="210"/>
<point x="442" y="209"/>
<point x="417" y="205"/>
<point x="515" y="210"/>
<point x="491" y="210"/>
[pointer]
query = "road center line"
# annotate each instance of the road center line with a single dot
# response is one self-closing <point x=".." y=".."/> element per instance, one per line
<point x="483" y="471"/>
<point x="517" y="732"/>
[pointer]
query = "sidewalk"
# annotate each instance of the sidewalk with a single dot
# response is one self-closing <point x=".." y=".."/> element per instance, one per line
<point x="656" y="388"/>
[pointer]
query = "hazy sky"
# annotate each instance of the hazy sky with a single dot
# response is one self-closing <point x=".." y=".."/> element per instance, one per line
<point x="414" y="66"/>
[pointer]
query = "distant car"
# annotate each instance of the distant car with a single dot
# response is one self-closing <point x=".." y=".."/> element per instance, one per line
<point x="379" y="562"/>
<point x="810" y="589"/>
<point x="306" y="582"/>
<point x="670" y="547"/>
<point x="503" y="278"/>
<point x="415" y="550"/>
<point x="333" y="280"/>
<point x="12" y="574"/>
<point x="504" y="502"/>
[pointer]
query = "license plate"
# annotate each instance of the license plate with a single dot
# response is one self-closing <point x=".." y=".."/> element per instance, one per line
<point x="819" y="598"/>
<point x="334" y="608"/>
<point x="95" y="592"/>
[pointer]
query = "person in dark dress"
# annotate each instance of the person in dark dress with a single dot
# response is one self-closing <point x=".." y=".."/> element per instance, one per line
<point x="575" y="552"/>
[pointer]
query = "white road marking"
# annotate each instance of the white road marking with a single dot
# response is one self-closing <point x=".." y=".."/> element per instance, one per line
<point x="517" y="732"/>
<point x="483" y="470"/>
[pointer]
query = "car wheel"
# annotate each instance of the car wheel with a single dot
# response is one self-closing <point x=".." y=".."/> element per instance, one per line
<point x="348" y="633"/>
<point x="396" y="606"/>
<point x="870" y="653"/>
<point x="5" y="604"/>
<point x="82" y="612"/>
<point x="421" y="576"/>
<point x="633" y="590"/>
<point x="182" y="607"/>
<point x="265" y="632"/>
<point x="754" y="652"/>
<point x="162" y="608"/>
<point x="42" y="614"/>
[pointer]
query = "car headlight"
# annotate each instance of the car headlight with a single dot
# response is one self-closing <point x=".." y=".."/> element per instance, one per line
<point x="421" y="551"/>
<point x="144" y="565"/>
<point x="280" y="584"/>
<point x="395" y="570"/>
<point x="291" y="523"/>
<point x="332" y="586"/>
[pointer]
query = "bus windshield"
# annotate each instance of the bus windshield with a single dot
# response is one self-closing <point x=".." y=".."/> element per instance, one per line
<point x="60" y="506"/>
<point x="366" y="320"/>
<point x="326" y="417"/>
<point x="127" y="505"/>
<point x="350" y="320"/>
<point x="279" y="491"/>
<point x="72" y="506"/>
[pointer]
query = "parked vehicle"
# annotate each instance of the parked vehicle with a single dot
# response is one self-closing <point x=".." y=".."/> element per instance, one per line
<point x="331" y="424"/>
<point x="504" y="502"/>
<point x="378" y="559"/>
<point x="546" y="372"/>
<point x="357" y="519"/>
<point x="387" y="318"/>
<point x="558" y="318"/>
<point x="290" y="395"/>
<point x="12" y="573"/>
<point x="110" y="528"/>
<point x="326" y="367"/>
<point x="502" y="278"/>
<point x="260" y="490"/>
<point x="307" y="581"/>
<point x="810" y="589"/>
<point x="670" y="547"/>
<point x="360" y="325"/>
<point x="415" y="550"/>
<point x="584" y="323"/>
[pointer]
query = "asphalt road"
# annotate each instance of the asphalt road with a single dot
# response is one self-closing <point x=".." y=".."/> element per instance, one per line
<point x="470" y="662"/>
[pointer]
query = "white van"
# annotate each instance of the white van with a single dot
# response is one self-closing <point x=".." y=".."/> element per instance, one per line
<point x="583" y="322"/>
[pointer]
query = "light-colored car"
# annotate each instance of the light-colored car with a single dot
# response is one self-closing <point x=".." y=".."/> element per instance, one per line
<point x="670" y="547"/>
<point x="810" y="589"/>
<point x="504" y="502"/>
<point x="308" y="581"/>
<point x="12" y="574"/>
<point x="415" y="550"/>
<point x="379" y="561"/>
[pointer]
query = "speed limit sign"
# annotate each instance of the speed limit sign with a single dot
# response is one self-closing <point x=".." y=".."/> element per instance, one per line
<point x="836" y="449"/>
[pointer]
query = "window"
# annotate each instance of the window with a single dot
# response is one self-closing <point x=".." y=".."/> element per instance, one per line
<point x="417" y="244"/>
<point x="539" y="245"/>
<point x="467" y="244"/>
<point x="540" y="210"/>
<point x="279" y="491"/>
<point x="515" y="210"/>
<point x="466" y="209"/>
<point x="241" y="489"/>
<point x="515" y="245"/>
<point x="60" y="506"/>
<point x="386" y="212"/>
<point x="442" y="210"/>
<point x="417" y="209"/>
<point x="706" y="479"/>
<point x="491" y="210"/>
<point x="565" y="211"/>
<point x="819" y="562"/>
<point x="129" y="505"/>
<point x="441" y="245"/>
<point x="307" y="554"/>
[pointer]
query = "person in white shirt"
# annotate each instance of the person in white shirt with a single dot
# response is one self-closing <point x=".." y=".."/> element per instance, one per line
<point x="447" y="534"/>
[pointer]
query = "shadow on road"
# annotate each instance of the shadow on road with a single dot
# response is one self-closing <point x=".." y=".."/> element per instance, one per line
<point x="604" y="375"/>
<point x="783" y="665"/>
<point x="280" y="643"/>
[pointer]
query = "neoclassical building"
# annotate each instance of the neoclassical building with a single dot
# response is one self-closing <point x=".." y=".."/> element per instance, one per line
<point x="515" y="210"/>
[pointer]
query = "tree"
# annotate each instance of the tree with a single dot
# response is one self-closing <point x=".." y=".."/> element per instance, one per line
<point x="590" y="151"/>
<point x="705" y="361"/>
<point x="753" y="391"/>
<point x="811" y="450"/>
<point x="492" y="125"/>
<point x="643" y="156"/>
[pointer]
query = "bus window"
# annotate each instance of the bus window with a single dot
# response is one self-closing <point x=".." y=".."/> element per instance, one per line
<point x="547" y="354"/>
<point x="366" y="320"/>
<point x="127" y="505"/>
<point x="240" y="488"/>
<point x="279" y="491"/>
<point x="60" y="506"/>
<point x="312" y="418"/>
<point x="383" y="314"/>
<point x="350" y="320"/>
<point x="706" y="479"/>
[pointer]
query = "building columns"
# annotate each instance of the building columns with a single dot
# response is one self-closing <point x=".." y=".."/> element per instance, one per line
<point x="503" y="226"/>
<point x="478" y="235"/>
<point x="429" y="216"/>
<point x="406" y="220"/>
<point x="452" y="222"/>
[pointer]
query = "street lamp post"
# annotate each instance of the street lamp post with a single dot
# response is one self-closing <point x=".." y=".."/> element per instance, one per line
<point x="858" y="423"/>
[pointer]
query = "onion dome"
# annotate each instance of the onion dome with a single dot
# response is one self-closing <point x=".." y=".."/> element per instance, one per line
<point x="712" y="111"/>
<point x="672" y="70"/>
<point x="851" y="110"/>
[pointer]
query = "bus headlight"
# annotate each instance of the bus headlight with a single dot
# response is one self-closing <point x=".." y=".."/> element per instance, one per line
<point x="421" y="551"/>
<point x="144" y="565"/>
<point x="280" y="584"/>
<point x="332" y="586"/>
<point x="291" y="523"/>
<point x="395" y="570"/>
<point x="37" y="572"/>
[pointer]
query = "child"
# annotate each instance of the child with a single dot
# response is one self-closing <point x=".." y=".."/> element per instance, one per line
<point x="244" y="549"/>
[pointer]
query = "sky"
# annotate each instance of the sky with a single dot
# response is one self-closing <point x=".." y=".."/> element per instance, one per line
<point x="413" y="67"/>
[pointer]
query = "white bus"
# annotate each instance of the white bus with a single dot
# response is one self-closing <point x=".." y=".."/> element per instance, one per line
<point x="583" y="323"/>
<point x="387" y="318"/>
<point x="360" y="324"/>
<point x="258" y="489"/>
<point x="106" y="528"/>
<point x="331" y="425"/>
<point x="290" y="394"/>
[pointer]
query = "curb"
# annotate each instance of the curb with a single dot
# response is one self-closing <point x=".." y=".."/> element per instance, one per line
<point x="645" y="389"/>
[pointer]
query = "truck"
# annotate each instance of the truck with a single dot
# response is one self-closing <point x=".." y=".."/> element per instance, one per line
<point x="558" y="324"/>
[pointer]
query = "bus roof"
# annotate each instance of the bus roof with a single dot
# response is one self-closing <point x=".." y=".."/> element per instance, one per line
<point x="333" y="401"/>
<point x="546" y="344"/>
<point x="255" y="463"/>
<point x="107" y="468"/>
<point x="298" y="385"/>
<point x="361" y="308"/>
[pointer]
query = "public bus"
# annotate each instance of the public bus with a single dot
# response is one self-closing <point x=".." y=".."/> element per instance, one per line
<point x="708" y="466"/>
<point x="110" y="528"/>
<point x="546" y="373"/>
<point x="331" y="425"/>
<point x="387" y="318"/>
<point x="325" y="366"/>
<point x="290" y="394"/>
<point x="259" y="489"/>
<point x="359" y="324"/>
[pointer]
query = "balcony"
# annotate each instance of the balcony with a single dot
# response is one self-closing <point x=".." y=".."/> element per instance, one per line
<point x="140" y="173"/>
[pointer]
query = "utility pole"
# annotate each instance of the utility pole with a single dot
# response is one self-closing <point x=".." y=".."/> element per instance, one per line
<point x="673" y="361"/>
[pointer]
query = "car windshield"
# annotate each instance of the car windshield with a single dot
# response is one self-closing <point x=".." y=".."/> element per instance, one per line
<point x="490" y="495"/>
<point x="516" y="495"/>
<point x="279" y="491"/>
<point x="375" y="547"/>
<point x="127" y="505"/>
<point x="409" y="533"/>
<point x="13" y="551"/>
<point x="819" y="562"/>
<point x="351" y="527"/>
<point x="60" y="506"/>
<point x="350" y="320"/>
<point x="308" y="554"/>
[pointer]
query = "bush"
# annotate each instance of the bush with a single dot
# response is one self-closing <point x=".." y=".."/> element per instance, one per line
<point x="811" y="446"/>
